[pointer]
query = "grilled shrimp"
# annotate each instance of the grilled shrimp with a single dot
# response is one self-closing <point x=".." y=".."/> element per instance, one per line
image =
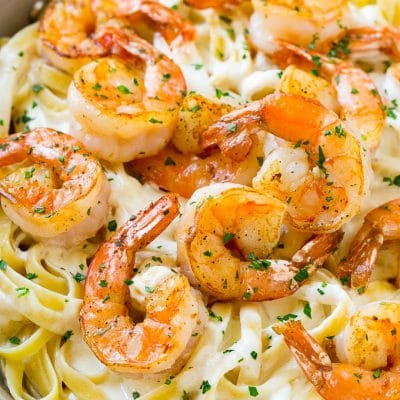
<point x="359" y="103"/>
<point x="224" y="236"/>
<point x="180" y="170"/>
<point x="302" y="22"/>
<point x="371" y="338"/>
<point x="126" y="106"/>
<point x="68" y="28"/>
<point x="150" y="13"/>
<point x="175" y="313"/>
<point x="371" y="342"/>
<point x="66" y="34"/>
<point x="380" y="224"/>
<point x="60" y="194"/>
<point x="320" y="174"/>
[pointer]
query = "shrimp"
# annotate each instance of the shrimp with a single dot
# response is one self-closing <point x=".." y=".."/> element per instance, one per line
<point x="380" y="224"/>
<point x="202" y="4"/>
<point x="161" y="19"/>
<point x="321" y="175"/>
<point x="61" y="195"/>
<point x="369" y="40"/>
<point x="180" y="170"/>
<point x="68" y="28"/>
<point x="184" y="174"/>
<point x="359" y="103"/>
<point x="302" y="22"/>
<point x="343" y="380"/>
<point x="126" y="106"/>
<point x="174" y="311"/>
<point x="370" y="339"/>
<point x="224" y="236"/>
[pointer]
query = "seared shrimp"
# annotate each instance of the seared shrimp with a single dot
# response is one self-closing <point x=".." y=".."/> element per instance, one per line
<point x="174" y="311"/>
<point x="302" y="22"/>
<point x="202" y="4"/>
<point x="158" y="18"/>
<point x="320" y="175"/>
<point x="335" y="381"/>
<point x="68" y="27"/>
<point x="127" y="106"/>
<point x="224" y="236"/>
<point x="60" y="194"/>
<point x="370" y="40"/>
<point x="359" y="103"/>
<point x="183" y="171"/>
<point x="371" y="338"/>
<point x="66" y="30"/>
<point x="380" y="224"/>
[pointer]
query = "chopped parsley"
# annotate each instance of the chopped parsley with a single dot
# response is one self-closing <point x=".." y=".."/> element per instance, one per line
<point x="67" y="335"/>
<point x="112" y="225"/>
<point x="392" y="181"/>
<point x="228" y="237"/>
<point x="376" y="374"/>
<point x="205" y="387"/>
<point x="258" y="264"/>
<point x="286" y="317"/>
<point x="307" y="310"/>
<point x="301" y="275"/>
<point x="14" y="340"/>
<point x="22" y="291"/>
<point x="37" y="88"/>
<point x="31" y="275"/>
<point x="79" y="277"/>
<point x="123" y="89"/>
<point x="169" y="161"/>
<point x="103" y="283"/>
<point x="253" y="391"/>
<point x="3" y="265"/>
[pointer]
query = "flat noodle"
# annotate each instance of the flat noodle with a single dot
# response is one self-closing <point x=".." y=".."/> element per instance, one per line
<point x="41" y="286"/>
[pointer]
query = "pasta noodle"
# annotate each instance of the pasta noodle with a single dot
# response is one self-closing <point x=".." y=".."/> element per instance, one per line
<point x="41" y="286"/>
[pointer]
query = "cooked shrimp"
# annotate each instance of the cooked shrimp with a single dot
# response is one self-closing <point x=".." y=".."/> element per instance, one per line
<point x="380" y="224"/>
<point x="60" y="194"/>
<point x="68" y="28"/>
<point x="320" y="175"/>
<point x="202" y="4"/>
<point x="157" y="17"/>
<point x="182" y="171"/>
<point x="185" y="173"/>
<point x="360" y="106"/>
<point x="370" y="40"/>
<point x="197" y="113"/>
<point x="224" y="236"/>
<point x="335" y="381"/>
<point x="127" y="106"/>
<point x="370" y="340"/>
<point x="302" y="22"/>
<point x="174" y="311"/>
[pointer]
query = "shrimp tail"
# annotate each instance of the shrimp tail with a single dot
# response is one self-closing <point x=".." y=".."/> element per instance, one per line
<point x="311" y="357"/>
<point x="363" y="253"/>
<point x="232" y="133"/>
<point x="317" y="250"/>
<point x="136" y="234"/>
<point x="367" y="39"/>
